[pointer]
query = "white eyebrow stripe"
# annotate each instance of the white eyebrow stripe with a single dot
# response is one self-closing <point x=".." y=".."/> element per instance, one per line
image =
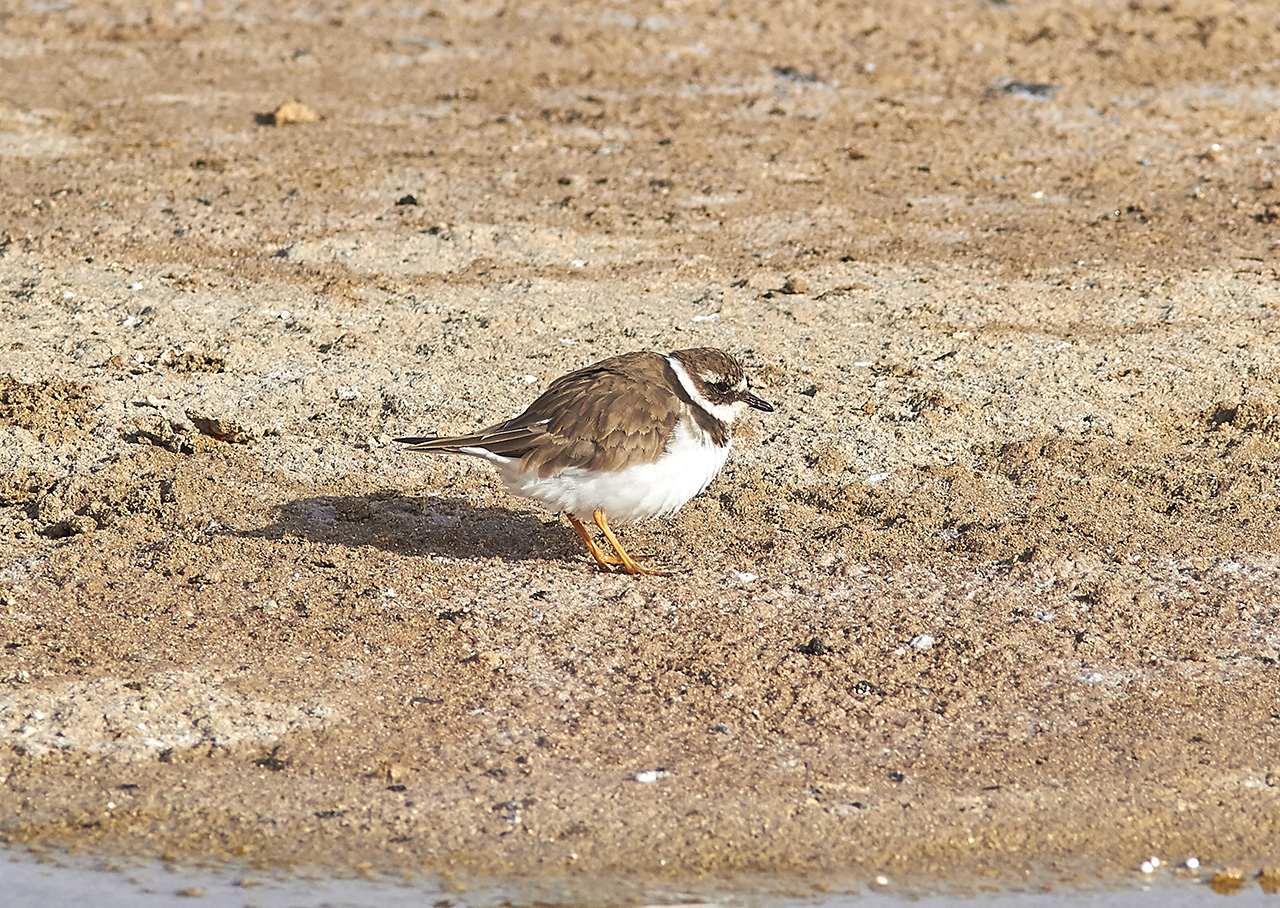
<point x="722" y="412"/>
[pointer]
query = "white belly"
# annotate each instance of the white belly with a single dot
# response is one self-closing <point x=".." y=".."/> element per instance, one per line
<point x="640" y="492"/>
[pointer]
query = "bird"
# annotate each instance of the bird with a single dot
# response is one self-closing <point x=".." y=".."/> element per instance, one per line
<point x="630" y="438"/>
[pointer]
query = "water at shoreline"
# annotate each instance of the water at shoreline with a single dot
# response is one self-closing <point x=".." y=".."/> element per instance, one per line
<point x="33" y="881"/>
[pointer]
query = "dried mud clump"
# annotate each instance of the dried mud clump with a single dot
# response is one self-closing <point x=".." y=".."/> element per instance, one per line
<point x="1256" y="414"/>
<point x="50" y="407"/>
<point x="224" y="428"/>
<point x="190" y="361"/>
<point x="76" y="504"/>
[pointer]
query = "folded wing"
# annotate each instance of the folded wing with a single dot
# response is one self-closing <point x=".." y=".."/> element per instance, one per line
<point x="604" y="417"/>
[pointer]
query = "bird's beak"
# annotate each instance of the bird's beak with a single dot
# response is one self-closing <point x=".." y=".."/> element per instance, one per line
<point x="756" y="403"/>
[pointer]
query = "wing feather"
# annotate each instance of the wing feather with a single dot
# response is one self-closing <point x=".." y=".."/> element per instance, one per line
<point x="613" y="413"/>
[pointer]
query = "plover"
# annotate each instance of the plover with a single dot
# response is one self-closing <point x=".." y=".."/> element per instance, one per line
<point x="630" y="438"/>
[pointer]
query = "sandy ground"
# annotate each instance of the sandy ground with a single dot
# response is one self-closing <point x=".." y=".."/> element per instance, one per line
<point x="993" y="594"/>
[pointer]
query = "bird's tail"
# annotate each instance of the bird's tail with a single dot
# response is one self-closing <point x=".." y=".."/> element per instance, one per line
<point x="437" y="443"/>
<point x="497" y="440"/>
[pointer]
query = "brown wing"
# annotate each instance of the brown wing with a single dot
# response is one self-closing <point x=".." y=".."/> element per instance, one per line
<point x="605" y="416"/>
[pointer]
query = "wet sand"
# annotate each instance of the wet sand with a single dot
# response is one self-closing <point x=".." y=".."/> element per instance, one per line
<point x="992" y="596"/>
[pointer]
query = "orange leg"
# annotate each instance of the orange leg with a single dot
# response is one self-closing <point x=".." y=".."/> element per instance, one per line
<point x="601" y="558"/>
<point x="629" y="564"/>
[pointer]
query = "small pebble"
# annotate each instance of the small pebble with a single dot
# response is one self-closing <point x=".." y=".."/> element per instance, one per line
<point x="921" y="641"/>
<point x="291" y="112"/>
<point x="1029" y="91"/>
<point x="1191" y="863"/>
<point x="650" y="776"/>
<point x="1227" y="882"/>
